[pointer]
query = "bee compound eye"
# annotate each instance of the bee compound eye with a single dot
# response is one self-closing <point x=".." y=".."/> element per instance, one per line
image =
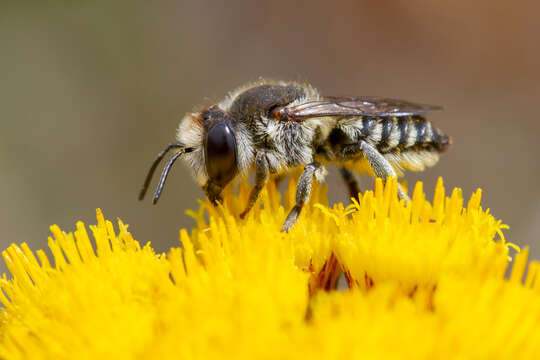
<point x="220" y="149"/>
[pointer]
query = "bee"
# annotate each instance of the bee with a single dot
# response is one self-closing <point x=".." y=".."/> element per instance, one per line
<point x="272" y="127"/>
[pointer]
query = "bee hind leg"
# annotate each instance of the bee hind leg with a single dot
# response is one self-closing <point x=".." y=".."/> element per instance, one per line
<point x="303" y="191"/>
<point x="261" y="177"/>
<point x="278" y="179"/>
<point x="350" y="181"/>
<point x="381" y="167"/>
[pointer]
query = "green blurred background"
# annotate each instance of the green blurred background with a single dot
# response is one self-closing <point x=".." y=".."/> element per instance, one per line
<point x="91" y="91"/>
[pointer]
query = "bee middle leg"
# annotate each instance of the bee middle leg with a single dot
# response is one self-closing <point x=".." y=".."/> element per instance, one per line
<point x="303" y="191"/>
<point x="261" y="177"/>
<point x="381" y="167"/>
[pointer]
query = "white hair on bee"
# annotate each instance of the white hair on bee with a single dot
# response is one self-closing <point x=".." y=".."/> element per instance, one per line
<point x="429" y="131"/>
<point x="245" y="149"/>
<point x="395" y="134"/>
<point x="292" y="143"/>
<point x="320" y="174"/>
<point x="411" y="136"/>
<point x="190" y="133"/>
<point x="412" y="160"/>
<point x="376" y="133"/>
<point x="351" y="126"/>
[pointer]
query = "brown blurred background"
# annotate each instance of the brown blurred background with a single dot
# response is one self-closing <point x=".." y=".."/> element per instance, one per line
<point x="91" y="91"/>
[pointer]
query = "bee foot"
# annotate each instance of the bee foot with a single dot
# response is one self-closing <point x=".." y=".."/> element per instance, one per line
<point x="291" y="218"/>
<point x="243" y="214"/>
<point x="402" y="194"/>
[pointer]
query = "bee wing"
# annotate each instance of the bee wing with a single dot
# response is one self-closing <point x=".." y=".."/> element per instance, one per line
<point x="352" y="106"/>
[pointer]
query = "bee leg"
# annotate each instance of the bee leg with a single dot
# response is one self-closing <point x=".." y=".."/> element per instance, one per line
<point x="213" y="192"/>
<point x="261" y="177"/>
<point x="303" y="190"/>
<point x="350" y="181"/>
<point x="381" y="167"/>
<point x="278" y="179"/>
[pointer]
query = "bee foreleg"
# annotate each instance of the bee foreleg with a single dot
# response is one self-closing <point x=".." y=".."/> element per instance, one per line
<point x="381" y="167"/>
<point x="303" y="191"/>
<point x="261" y="177"/>
<point x="350" y="181"/>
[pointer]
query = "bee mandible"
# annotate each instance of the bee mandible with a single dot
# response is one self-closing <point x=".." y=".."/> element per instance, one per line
<point x="272" y="127"/>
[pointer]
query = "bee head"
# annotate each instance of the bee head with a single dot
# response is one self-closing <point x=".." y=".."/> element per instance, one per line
<point x="212" y="135"/>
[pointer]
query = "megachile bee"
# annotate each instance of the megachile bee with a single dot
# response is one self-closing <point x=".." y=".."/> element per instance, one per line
<point x="272" y="127"/>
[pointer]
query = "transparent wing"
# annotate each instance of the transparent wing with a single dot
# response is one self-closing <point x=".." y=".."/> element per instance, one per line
<point x="352" y="106"/>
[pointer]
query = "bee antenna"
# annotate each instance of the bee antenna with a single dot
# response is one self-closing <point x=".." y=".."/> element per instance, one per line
<point x="166" y="173"/>
<point x="154" y="166"/>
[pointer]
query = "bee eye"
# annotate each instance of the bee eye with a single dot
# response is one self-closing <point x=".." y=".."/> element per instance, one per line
<point x="220" y="151"/>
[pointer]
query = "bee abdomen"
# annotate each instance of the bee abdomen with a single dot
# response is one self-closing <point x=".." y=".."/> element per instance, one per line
<point x="407" y="132"/>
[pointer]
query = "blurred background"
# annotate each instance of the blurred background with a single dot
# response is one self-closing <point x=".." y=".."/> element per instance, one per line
<point x="90" y="92"/>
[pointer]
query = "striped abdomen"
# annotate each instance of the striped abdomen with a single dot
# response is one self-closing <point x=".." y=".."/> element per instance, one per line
<point x="389" y="134"/>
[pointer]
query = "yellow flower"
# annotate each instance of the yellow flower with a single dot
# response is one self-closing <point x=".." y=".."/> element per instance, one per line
<point x="426" y="281"/>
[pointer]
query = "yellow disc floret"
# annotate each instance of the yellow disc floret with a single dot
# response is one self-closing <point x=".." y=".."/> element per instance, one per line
<point x="422" y="280"/>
